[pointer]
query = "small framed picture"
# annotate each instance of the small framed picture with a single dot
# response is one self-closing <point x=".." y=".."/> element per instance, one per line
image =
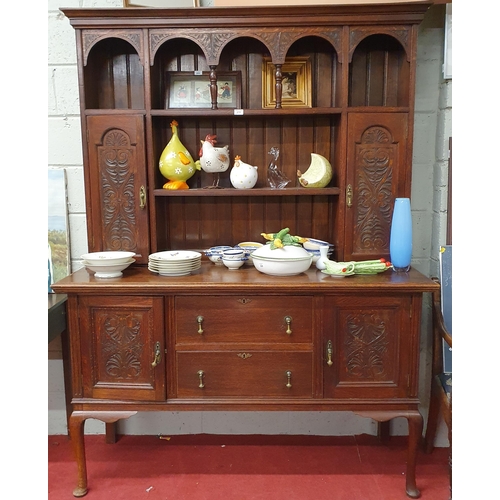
<point x="296" y="83"/>
<point x="188" y="89"/>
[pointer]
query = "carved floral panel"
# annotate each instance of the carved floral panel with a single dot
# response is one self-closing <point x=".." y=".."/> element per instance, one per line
<point x="376" y="156"/>
<point x="121" y="348"/>
<point x="118" y="205"/>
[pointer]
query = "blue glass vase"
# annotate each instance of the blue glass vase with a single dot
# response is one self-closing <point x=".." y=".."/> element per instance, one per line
<point x="401" y="235"/>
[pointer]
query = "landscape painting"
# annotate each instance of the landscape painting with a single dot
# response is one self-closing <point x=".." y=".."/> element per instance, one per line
<point x="58" y="228"/>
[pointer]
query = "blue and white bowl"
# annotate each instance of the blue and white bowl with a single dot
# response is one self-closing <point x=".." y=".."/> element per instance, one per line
<point x="234" y="254"/>
<point x="313" y="246"/>
<point x="249" y="248"/>
<point x="215" y="253"/>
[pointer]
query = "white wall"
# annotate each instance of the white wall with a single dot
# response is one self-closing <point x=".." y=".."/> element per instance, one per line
<point x="432" y="129"/>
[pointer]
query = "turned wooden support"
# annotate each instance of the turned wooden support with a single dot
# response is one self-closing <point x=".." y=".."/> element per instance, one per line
<point x="76" y="431"/>
<point x="278" y="76"/>
<point x="415" y="427"/>
<point x="213" y="86"/>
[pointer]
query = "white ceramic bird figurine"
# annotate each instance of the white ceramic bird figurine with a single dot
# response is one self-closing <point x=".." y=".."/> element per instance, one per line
<point x="213" y="160"/>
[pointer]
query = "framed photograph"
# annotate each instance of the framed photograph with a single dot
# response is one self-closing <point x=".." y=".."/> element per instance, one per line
<point x="296" y="83"/>
<point x="189" y="89"/>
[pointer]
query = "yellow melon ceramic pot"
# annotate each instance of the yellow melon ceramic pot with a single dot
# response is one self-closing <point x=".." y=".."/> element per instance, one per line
<point x="176" y="163"/>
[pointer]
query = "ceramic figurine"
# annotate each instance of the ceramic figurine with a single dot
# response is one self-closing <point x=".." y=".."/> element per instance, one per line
<point x="176" y="163"/>
<point x="213" y="160"/>
<point x="243" y="175"/>
<point x="275" y="178"/>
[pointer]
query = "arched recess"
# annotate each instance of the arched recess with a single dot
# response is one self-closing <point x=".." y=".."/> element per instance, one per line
<point x="379" y="71"/>
<point x="173" y="55"/>
<point x="114" y="74"/>
<point x="245" y="54"/>
<point x="326" y="68"/>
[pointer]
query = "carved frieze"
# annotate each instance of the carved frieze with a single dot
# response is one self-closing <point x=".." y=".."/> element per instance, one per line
<point x="122" y="346"/>
<point x="118" y="194"/>
<point x="213" y="41"/>
<point x="375" y="156"/>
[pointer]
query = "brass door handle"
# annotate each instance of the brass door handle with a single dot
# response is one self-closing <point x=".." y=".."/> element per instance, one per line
<point x="288" y="321"/>
<point x="142" y="198"/>
<point x="289" y="379"/>
<point x="157" y="358"/>
<point x="349" y="195"/>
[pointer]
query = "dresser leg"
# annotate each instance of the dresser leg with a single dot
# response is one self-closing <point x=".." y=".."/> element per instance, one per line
<point x="76" y="432"/>
<point x="415" y="427"/>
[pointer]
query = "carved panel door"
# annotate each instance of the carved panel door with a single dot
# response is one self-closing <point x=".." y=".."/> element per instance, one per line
<point x="376" y="175"/>
<point x="369" y="342"/>
<point x="123" y="348"/>
<point x="116" y="204"/>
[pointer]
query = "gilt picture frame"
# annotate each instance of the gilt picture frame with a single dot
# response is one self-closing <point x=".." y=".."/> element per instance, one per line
<point x="189" y="89"/>
<point x="296" y="83"/>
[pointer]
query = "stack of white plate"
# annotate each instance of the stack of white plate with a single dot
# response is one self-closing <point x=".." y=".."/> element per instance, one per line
<point x="174" y="262"/>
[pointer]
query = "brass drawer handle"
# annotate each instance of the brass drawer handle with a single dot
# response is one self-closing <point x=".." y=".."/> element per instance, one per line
<point x="201" y="374"/>
<point x="157" y="357"/>
<point x="288" y="379"/>
<point x="288" y="321"/>
<point x="199" y="319"/>
<point x="329" y="352"/>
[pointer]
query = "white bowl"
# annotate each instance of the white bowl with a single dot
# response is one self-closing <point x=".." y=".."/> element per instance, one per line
<point x="282" y="267"/>
<point x="104" y="270"/>
<point x="108" y="257"/>
<point x="233" y="264"/>
<point x="287" y="252"/>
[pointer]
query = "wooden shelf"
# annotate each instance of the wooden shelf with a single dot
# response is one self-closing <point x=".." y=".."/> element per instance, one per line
<point x="223" y="192"/>
<point x="206" y="112"/>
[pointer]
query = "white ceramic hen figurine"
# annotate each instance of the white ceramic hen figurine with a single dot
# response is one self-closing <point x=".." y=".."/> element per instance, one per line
<point x="213" y="160"/>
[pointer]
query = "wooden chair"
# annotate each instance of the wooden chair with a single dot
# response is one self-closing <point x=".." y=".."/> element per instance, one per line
<point x="441" y="388"/>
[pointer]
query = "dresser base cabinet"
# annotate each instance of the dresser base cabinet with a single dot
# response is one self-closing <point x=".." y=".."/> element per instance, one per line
<point x="244" y="341"/>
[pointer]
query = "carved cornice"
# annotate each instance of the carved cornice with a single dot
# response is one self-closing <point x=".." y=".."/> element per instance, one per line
<point x="212" y="41"/>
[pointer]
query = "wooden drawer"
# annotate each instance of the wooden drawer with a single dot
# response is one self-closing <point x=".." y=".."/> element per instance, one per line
<point x="244" y="319"/>
<point x="244" y="374"/>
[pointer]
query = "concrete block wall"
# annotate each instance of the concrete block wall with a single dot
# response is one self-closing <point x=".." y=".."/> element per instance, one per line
<point x="432" y="129"/>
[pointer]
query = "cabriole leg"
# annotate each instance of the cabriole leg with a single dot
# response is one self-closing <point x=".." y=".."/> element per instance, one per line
<point x="76" y="433"/>
<point x="415" y="427"/>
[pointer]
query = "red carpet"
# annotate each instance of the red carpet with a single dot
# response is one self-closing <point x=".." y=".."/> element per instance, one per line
<point x="208" y="467"/>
